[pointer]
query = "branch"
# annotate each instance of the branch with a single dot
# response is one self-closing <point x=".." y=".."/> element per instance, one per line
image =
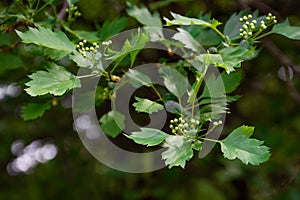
<point x="62" y="14"/>
<point x="285" y="61"/>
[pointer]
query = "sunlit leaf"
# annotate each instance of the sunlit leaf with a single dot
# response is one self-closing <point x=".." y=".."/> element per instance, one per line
<point x="284" y="28"/>
<point x="47" y="38"/>
<point x="56" y="80"/>
<point x="179" y="151"/>
<point x="148" y="136"/>
<point x="147" y="106"/>
<point x="238" y="145"/>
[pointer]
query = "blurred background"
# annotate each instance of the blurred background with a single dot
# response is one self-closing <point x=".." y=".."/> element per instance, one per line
<point x="45" y="159"/>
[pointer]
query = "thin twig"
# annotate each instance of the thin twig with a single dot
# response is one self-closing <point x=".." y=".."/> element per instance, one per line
<point x="285" y="61"/>
<point x="62" y="14"/>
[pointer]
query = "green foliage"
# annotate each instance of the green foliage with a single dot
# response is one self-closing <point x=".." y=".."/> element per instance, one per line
<point x="56" y="81"/>
<point x="112" y="123"/>
<point x="239" y="145"/>
<point x="138" y="79"/>
<point x="179" y="151"/>
<point x="284" y="28"/>
<point x="109" y="29"/>
<point x="203" y="46"/>
<point x="46" y="38"/>
<point x="34" y="110"/>
<point x="144" y="16"/>
<point x="148" y="136"/>
<point x="146" y="106"/>
<point x="174" y="81"/>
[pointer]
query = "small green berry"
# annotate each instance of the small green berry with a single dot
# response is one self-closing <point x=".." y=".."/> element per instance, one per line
<point x="84" y="41"/>
<point x="172" y="121"/>
<point x="245" y="26"/>
<point x="175" y="120"/>
<point x="171" y="126"/>
<point x="254" y="21"/>
<point x="193" y="121"/>
<point x="245" y="18"/>
<point x="241" y="19"/>
<point x="249" y="16"/>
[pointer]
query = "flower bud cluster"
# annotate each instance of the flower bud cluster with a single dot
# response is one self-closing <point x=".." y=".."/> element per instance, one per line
<point x="217" y="123"/>
<point x="73" y="10"/>
<point x="250" y="26"/>
<point x="180" y="126"/>
<point x="83" y="49"/>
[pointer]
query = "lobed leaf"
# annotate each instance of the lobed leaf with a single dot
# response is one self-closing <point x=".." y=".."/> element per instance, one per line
<point x="47" y="38"/>
<point x="148" y="136"/>
<point x="238" y="145"/>
<point x="147" y="106"/>
<point x="34" y="110"/>
<point x="180" y="150"/>
<point x="291" y="32"/>
<point x="56" y="81"/>
<point x="112" y="123"/>
<point x="174" y="81"/>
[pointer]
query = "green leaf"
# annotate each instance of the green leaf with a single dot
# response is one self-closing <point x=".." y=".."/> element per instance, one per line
<point x="238" y="145"/>
<point x="47" y="38"/>
<point x="284" y="28"/>
<point x="132" y="47"/>
<point x="230" y="81"/>
<point x="215" y="59"/>
<point x="179" y="151"/>
<point x="138" y="79"/>
<point x="144" y="16"/>
<point x="56" y="81"/>
<point x="233" y="25"/>
<point x="34" y="110"/>
<point x="147" y="106"/>
<point x="148" y="136"/>
<point x="90" y="36"/>
<point x="112" y="123"/>
<point x="182" y="20"/>
<point x="9" y="62"/>
<point x="109" y="29"/>
<point x="174" y="81"/>
<point x="189" y="42"/>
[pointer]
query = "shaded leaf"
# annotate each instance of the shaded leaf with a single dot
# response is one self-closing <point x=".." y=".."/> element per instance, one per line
<point x="109" y="29"/>
<point x="138" y="79"/>
<point x="238" y="145"/>
<point x="34" y="110"/>
<point x="174" y="81"/>
<point x="189" y="42"/>
<point x="144" y="16"/>
<point x="112" y="123"/>
<point x="148" y="136"/>
<point x="147" y="106"/>
<point x="56" y="81"/>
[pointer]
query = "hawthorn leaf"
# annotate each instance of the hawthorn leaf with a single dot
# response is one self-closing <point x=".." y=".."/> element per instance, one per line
<point x="47" y="38"/>
<point x="138" y="79"/>
<point x="284" y="28"/>
<point x="109" y="29"/>
<point x="174" y="81"/>
<point x="112" y="123"/>
<point x="233" y="25"/>
<point x="34" y="110"/>
<point x="187" y="39"/>
<point x="56" y="80"/>
<point x="238" y="145"/>
<point x="148" y="136"/>
<point x="182" y="20"/>
<point x="144" y="16"/>
<point x="147" y="106"/>
<point x="180" y="150"/>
